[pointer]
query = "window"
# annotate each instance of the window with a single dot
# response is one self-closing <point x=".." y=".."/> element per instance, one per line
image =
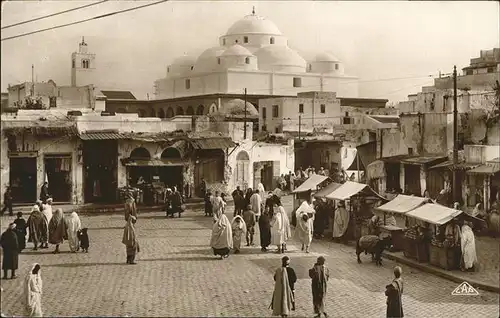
<point x="491" y="70"/>
<point x="277" y="130"/>
<point x="323" y="108"/>
<point x="168" y="69"/>
<point x="468" y="72"/>
<point x="188" y="84"/>
<point x="192" y="67"/>
<point x="297" y="82"/>
<point x="271" y="40"/>
<point x="218" y="60"/>
<point x="264" y="113"/>
<point x="73" y="64"/>
<point x="336" y="66"/>
<point x="310" y="67"/>
<point x="410" y="151"/>
<point x="223" y="41"/>
<point x="245" y="39"/>
<point x="264" y="128"/>
<point x="85" y="63"/>
<point x="275" y="111"/>
<point x="235" y="41"/>
<point x="301" y="108"/>
<point x="247" y="60"/>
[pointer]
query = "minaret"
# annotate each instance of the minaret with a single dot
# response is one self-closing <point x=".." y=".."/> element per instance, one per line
<point x="82" y="66"/>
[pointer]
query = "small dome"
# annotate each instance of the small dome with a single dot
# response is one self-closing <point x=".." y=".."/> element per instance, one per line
<point x="212" y="52"/>
<point x="237" y="107"/>
<point x="184" y="61"/>
<point x="237" y="50"/>
<point x="326" y="57"/>
<point x="279" y="55"/>
<point x="253" y="24"/>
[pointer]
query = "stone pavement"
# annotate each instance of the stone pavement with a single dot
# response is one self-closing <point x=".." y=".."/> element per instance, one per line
<point x="177" y="275"/>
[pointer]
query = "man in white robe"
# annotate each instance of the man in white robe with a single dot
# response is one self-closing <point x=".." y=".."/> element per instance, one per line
<point x="468" y="246"/>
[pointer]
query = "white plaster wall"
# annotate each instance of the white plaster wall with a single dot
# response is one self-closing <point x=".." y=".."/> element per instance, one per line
<point x="60" y="145"/>
<point x="127" y="123"/>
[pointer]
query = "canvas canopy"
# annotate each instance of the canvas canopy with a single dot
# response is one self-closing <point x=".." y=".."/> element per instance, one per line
<point x="311" y="183"/>
<point x="434" y="213"/>
<point x="327" y="190"/>
<point x="349" y="189"/>
<point x="403" y="204"/>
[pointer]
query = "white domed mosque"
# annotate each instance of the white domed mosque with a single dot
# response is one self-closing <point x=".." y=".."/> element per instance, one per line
<point x="254" y="54"/>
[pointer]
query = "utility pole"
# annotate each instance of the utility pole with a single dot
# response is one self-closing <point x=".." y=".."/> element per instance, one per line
<point x="300" y="124"/>
<point x="245" y="128"/>
<point x="456" y="185"/>
<point x="32" y="80"/>
<point x="357" y="164"/>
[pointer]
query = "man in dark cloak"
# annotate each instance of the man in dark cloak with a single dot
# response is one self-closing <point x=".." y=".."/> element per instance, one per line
<point x="176" y="200"/>
<point x="37" y="228"/>
<point x="238" y="200"/>
<point x="319" y="280"/>
<point x="10" y="249"/>
<point x="265" y="231"/>
<point x="21" y="231"/>
<point x="44" y="192"/>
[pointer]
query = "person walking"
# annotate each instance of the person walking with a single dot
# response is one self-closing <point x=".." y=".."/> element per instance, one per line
<point x="130" y="240"/>
<point x="304" y="231"/>
<point x="10" y="248"/>
<point x="256" y="204"/>
<point x="7" y="202"/>
<point x="239" y="230"/>
<point x="249" y="218"/>
<point x="73" y="225"/>
<point x="221" y="241"/>
<point x="21" y="231"/>
<point x="130" y="206"/>
<point x="33" y="292"/>
<point x="283" y="299"/>
<point x="265" y="231"/>
<point x="394" y="292"/>
<point x="37" y="227"/>
<point x="319" y="275"/>
<point x="57" y="230"/>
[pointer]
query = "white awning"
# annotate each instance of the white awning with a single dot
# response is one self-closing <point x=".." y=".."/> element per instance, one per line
<point x="434" y="213"/>
<point x="311" y="183"/>
<point x="348" y="189"/>
<point x="403" y="204"/>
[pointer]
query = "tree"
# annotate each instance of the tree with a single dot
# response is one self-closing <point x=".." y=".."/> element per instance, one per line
<point x="31" y="103"/>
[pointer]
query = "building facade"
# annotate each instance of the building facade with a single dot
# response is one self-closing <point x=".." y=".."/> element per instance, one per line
<point x="255" y="55"/>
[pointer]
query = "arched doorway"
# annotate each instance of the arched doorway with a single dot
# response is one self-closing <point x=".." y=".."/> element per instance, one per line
<point x="212" y="109"/>
<point x="171" y="172"/>
<point x="242" y="170"/>
<point x="190" y="111"/>
<point x="179" y="111"/>
<point x="139" y="169"/>
<point x="161" y="113"/>
<point x="170" y="112"/>
<point x="200" y="110"/>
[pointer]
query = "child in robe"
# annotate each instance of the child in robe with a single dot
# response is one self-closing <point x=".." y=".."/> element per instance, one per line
<point x="239" y="232"/>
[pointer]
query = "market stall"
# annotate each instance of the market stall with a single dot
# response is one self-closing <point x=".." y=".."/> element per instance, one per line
<point x="432" y="246"/>
<point x="326" y="207"/>
<point x="361" y="199"/>
<point x="398" y="207"/>
<point x="305" y="190"/>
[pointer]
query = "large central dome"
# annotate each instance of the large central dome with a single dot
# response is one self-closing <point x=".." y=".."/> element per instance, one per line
<point x="253" y="24"/>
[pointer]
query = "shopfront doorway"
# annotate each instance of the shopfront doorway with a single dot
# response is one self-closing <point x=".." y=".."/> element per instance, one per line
<point x="100" y="171"/>
<point x="22" y="178"/>
<point x="58" y="175"/>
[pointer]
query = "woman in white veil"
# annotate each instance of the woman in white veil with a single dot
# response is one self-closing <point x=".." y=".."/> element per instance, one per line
<point x="73" y="225"/>
<point x="33" y="292"/>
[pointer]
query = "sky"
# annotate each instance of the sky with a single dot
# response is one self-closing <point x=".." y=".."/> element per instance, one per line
<point x="380" y="42"/>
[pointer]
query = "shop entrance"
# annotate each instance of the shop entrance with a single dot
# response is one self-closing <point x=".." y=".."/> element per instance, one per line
<point x="22" y="178"/>
<point x="100" y="170"/>
<point x="58" y="174"/>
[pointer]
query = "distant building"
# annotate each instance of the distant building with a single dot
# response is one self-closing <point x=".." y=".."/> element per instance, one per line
<point x="83" y="66"/>
<point x="255" y="55"/>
